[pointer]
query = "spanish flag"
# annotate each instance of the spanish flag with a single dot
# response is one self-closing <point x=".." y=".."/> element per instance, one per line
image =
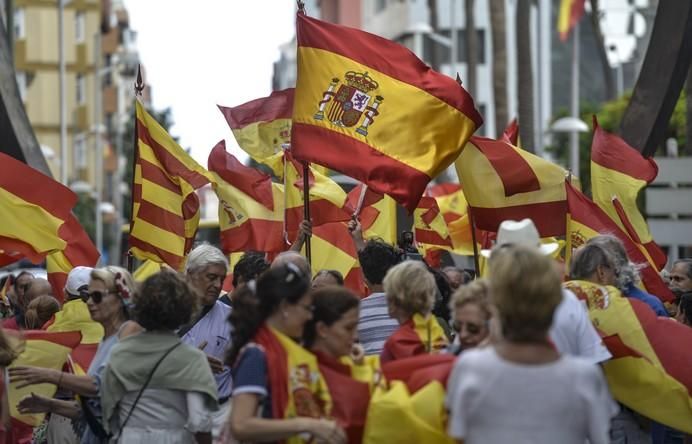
<point x="328" y="201"/>
<point x="503" y="182"/>
<point x="649" y="372"/>
<point x="369" y="108"/>
<point x="618" y="174"/>
<point x="262" y="126"/>
<point x="80" y="251"/>
<point x="34" y="207"/>
<point x="250" y="205"/>
<point x="165" y="207"/>
<point x="454" y="208"/>
<point x="419" y="335"/>
<point x="511" y="133"/>
<point x="377" y="215"/>
<point x="586" y="220"/>
<point x="571" y="11"/>
<point x="429" y="225"/>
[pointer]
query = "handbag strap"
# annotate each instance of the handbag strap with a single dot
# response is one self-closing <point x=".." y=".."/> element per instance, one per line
<point x="146" y="383"/>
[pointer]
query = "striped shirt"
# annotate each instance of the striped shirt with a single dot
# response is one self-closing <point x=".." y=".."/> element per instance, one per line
<point x="374" y="325"/>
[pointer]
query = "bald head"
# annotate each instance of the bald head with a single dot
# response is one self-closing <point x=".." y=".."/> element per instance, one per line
<point x="37" y="287"/>
<point x="295" y="258"/>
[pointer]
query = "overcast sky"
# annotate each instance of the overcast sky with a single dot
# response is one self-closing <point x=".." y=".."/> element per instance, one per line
<point x="208" y="52"/>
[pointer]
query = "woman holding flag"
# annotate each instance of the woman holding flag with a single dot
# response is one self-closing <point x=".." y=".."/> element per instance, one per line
<point x="272" y="374"/>
<point x="410" y="289"/>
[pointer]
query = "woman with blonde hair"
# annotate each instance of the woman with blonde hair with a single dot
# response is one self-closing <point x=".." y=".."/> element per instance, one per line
<point x="410" y="290"/>
<point x="39" y="311"/>
<point x="110" y="290"/>
<point x="471" y="315"/>
<point x="520" y="389"/>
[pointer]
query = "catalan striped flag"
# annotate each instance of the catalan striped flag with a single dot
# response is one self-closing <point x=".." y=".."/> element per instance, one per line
<point x="586" y="220"/>
<point x="251" y="207"/>
<point x="377" y="215"/>
<point x="649" y="372"/>
<point x="369" y="108"/>
<point x="454" y="208"/>
<point x="262" y="126"/>
<point x="328" y="201"/>
<point x="503" y="182"/>
<point x="80" y="251"/>
<point x="618" y="173"/>
<point x="571" y="11"/>
<point x="34" y="207"/>
<point x="429" y="225"/>
<point x="333" y="249"/>
<point x="165" y="212"/>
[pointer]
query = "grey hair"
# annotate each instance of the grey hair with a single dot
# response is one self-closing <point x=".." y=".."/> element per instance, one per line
<point x="586" y="260"/>
<point x="627" y="271"/>
<point x="204" y="255"/>
<point x="688" y="265"/>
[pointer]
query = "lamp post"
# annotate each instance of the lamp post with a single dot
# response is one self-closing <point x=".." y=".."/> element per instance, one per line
<point x="573" y="126"/>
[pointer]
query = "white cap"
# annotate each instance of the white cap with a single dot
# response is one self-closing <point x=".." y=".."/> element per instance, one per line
<point x="524" y="233"/>
<point x="78" y="278"/>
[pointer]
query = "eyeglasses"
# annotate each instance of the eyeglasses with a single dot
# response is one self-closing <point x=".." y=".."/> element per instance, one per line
<point x="473" y="329"/>
<point x="97" y="296"/>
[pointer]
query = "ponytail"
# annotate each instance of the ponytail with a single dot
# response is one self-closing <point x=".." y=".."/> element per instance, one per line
<point x="251" y="309"/>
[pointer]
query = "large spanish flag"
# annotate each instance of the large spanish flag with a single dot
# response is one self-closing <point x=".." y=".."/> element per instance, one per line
<point x="262" y="126"/>
<point x="503" y="182"/>
<point x="165" y="212"/>
<point x="618" y="173"/>
<point x="586" y="220"/>
<point x="571" y="11"/>
<point x="649" y="372"/>
<point x="369" y="108"/>
<point x="34" y="207"/>
<point x="80" y="251"/>
<point x="251" y="207"/>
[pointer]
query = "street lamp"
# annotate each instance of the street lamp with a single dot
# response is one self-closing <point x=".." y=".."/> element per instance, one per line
<point x="573" y="126"/>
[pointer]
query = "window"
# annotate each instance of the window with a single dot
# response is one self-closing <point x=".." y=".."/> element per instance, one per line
<point x="19" y="24"/>
<point x="21" y="84"/>
<point x="79" y="26"/>
<point x="81" y="89"/>
<point x="80" y="154"/>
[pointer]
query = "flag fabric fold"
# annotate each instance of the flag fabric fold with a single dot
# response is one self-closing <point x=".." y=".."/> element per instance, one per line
<point x="34" y="208"/>
<point x="618" y="174"/>
<point x="165" y="212"/>
<point x="648" y="373"/>
<point x="251" y="207"/>
<point x="569" y="14"/>
<point x="501" y="181"/>
<point x="586" y="220"/>
<point x="369" y="108"/>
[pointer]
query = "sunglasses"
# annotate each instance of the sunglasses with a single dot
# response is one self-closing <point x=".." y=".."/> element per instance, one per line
<point x="97" y="296"/>
<point x="473" y="329"/>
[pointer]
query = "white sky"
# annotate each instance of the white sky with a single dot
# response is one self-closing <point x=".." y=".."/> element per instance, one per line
<point x="207" y="52"/>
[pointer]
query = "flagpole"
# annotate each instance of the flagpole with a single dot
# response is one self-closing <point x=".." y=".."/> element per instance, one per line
<point x="361" y="199"/>
<point x="306" y="208"/>
<point x="476" y="261"/>
<point x="139" y="87"/>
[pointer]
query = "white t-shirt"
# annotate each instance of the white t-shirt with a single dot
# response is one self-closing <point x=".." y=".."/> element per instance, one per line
<point x="573" y="333"/>
<point x="494" y="401"/>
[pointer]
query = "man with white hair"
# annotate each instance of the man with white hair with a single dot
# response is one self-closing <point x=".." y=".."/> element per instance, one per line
<point x="210" y="331"/>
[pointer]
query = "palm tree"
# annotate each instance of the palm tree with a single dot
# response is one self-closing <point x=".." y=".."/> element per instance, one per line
<point x="688" y="127"/>
<point x="432" y="10"/>
<point x="608" y="81"/>
<point x="525" y="74"/>
<point x="471" y="47"/>
<point x="497" y="22"/>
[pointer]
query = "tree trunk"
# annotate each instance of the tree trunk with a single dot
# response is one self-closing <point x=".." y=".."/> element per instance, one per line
<point x="497" y="22"/>
<point x="432" y="10"/>
<point x="471" y="47"/>
<point x="688" y="122"/>
<point x="608" y="82"/>
<point x="525" y="74"/>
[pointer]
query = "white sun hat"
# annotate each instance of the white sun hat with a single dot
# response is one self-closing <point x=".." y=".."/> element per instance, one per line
<point x="523" y="232"/>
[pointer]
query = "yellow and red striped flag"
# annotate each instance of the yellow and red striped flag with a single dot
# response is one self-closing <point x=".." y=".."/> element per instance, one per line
<point x="429" y="225"/>
<point x="165" y="213"/>
<point x="333" y="249"/>
<point x="34" y="207"/>
<point x="649" y="372"/>
<point x="511" y="133"/>
<point x="586" y="220"/>
<point x="369" y="108"/>
<point x="618" y="174"/>
<point x="80" y="251"/>
<point x="251" y="207"/>
<point x="262" y="126"/>
<point x="377" y="215"/>
<point x="571" y="11"/>
<point x="501" y="182"/>
<point x="454" y="208"/>
<point x="5" y="290"/>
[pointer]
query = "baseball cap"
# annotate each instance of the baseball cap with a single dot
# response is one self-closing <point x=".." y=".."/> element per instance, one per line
<point x="76" y="279"/>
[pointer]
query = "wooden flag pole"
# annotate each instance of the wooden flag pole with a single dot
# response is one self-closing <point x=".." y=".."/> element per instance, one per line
<point x="476" y="260"/>
<point x="139" y="87"/>
<point x="361" y="199"/>
<point x="306" y="207"/>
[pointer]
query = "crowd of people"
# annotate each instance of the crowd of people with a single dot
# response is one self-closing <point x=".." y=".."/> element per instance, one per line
<point x="292" y="356"/>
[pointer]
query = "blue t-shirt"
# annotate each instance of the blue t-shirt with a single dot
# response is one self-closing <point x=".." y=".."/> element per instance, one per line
<point x="250" y="376"/>
<point x="632" y="291"/>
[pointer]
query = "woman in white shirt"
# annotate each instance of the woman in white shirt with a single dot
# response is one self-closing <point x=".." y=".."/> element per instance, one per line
<point x="520" y="389"/>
